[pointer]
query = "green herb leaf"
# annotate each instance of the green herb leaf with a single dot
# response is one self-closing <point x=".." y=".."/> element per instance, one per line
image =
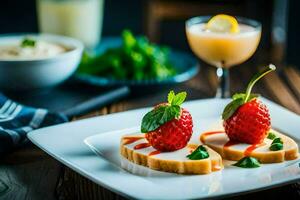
<point x="231" y="108"/>
<point x="247" y="162"/>
<point x="277" y="140"/>
<point x="199" y="153"/>
<point x="277" y="144"/>
<point x="129" y="40"/>
<point x="159" y="116"/>
<point x="28" y="42"/>
<point x="175" y="110"/>
<point x="276" y="147"/>
<point x="171" y="96"/>
<point x="179" y="98"/>
<point x="134" y="59"/>
<point x="271" y="136"/>
<point x="164" y="113"/>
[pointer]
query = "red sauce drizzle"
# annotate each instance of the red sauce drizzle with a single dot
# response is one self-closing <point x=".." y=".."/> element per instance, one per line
<point x="154" y="153"/>
<point x="247" y="152"/>
<point x="203" y="135"/>
<point x="251" y="148"/>
<point x="216" y="168"/>
<point x="230" y="143"/>
<point x="130" y="140"/>
<point x="141" y="146"/>
<point x="217" y="165"/>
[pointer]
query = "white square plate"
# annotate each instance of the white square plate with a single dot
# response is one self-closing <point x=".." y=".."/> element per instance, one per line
<point x="75" y="144"/>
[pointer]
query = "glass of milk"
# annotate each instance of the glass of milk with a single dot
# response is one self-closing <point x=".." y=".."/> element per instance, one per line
<point x="81" y="19"/>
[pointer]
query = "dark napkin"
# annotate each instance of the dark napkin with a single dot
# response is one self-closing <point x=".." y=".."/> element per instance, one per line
<point x="17" y="120"/>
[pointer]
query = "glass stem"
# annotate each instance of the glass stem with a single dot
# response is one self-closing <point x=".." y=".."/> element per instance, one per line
<point x="223" y="90"/>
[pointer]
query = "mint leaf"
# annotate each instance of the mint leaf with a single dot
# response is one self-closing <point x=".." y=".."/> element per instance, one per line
<point x="159" y="116"/>
<point x="171" y="96"/>
<point x="271" y="136"/>
<point x="170" y="112"/>
<point x="247" y="162"/>
<point x="277" y="144"/>
<point x="28" y="42"/>
<point x="231" y="108"/>
<point x="163" y="113"/>
<point x="179" y="98"/>
<point x="276" y="147"/>
<point x="175" y="109"/>
<point x="277" y="140"/>
<point x="199" y="153"/>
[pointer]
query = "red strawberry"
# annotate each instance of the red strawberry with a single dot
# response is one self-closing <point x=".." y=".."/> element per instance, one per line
<point x="168" y="127"/>
<point x="247" y="119"/>
<point x="172" y="135"/>
<point x="249" y="124"/>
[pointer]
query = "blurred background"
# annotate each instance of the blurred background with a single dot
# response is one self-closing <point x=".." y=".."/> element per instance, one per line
<point x="160" y="19"/>
<point x="100" y="25"/>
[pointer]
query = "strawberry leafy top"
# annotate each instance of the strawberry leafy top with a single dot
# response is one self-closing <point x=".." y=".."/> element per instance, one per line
<point x="164" y="112"/>
<point x="239" y="99"/>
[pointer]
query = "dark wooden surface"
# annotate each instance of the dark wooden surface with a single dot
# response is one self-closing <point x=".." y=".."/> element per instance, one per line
<point x="28" y="173"/>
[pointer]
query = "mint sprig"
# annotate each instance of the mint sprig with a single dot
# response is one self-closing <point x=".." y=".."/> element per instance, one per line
<point x="176" y="100"/>
<point x="276" y="145"/>
<point x="247" y="162"/>
<point x="198" y="154"/>
<point x="241" y="98"/>
<point x="163" y="113"/>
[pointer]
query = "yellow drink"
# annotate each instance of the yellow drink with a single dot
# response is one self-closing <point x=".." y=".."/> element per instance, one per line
<point x="223" y="49"/>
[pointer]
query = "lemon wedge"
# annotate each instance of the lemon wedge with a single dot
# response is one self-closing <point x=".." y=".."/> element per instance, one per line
<point x="223" y="24"/>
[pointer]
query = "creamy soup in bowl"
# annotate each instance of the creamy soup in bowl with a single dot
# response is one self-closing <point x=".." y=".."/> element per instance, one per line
<point x="37" y="60"/>
<point x="30" y="49"/>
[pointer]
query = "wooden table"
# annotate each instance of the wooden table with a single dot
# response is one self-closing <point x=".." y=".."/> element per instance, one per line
<point x="29" y="173"/>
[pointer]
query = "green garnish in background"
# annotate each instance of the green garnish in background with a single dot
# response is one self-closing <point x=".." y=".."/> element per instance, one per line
<point x="28" y="42"/>
<point x="199" y="153"/>
<point x="247" y="162"/>
<point x="276" y="145"/>
<point x="135" y="59"/>
<point x="164" y="113"/>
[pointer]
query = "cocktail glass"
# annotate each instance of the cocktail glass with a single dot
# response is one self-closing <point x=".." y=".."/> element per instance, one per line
<point x="221" y="49"/>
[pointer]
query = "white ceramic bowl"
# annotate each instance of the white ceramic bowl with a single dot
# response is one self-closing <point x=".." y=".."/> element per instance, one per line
<point x="24" y="74"/>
